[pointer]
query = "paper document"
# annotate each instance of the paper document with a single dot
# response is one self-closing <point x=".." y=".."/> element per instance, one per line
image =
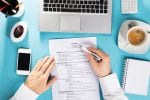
<point x="76" y="80"/>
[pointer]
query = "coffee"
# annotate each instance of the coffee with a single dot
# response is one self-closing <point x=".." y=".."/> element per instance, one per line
<point x="18" y="32"/>
<point x="136" y="36"/>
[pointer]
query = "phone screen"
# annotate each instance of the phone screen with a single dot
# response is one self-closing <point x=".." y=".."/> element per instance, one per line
<point x="23" y="61"/>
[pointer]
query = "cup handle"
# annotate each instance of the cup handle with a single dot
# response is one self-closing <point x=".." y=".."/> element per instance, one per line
<point x="149" y="36"/>
<point x="132" y="24"/>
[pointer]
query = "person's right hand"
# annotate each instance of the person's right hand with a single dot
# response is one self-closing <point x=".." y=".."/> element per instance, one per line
<point x="102" y="68"/>
<point x="38" y="81"/>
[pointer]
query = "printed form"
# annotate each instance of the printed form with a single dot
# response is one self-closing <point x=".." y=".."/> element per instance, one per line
<point x="76" y="80"/>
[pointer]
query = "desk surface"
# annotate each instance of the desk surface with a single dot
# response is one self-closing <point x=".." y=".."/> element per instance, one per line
<point x="38" y="42"/>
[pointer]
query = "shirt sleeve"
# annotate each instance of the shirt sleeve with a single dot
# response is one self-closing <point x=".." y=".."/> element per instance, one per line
<point x="111" y="88"/>
<point x="24" y="93"/>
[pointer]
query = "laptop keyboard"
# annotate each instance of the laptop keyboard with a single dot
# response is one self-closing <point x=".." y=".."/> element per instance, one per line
<point x="76" y="6"/>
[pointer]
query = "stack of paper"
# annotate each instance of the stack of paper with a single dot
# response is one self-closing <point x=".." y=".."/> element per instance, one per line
<point x="76" y="80"/>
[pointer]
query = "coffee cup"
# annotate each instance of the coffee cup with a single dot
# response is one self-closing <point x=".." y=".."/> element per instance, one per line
<point x="13" y="8"/>
<point x="137" y="36"/>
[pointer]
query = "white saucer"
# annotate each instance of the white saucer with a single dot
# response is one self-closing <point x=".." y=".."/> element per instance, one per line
<point x="13" y="38"/>
<point x="122" y="41"/>
<point x="21" y="10"/>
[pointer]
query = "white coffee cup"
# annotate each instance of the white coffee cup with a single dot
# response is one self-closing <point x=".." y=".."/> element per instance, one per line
<point x="143" y="42"/>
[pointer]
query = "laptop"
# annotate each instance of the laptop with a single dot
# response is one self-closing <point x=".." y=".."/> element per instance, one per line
<point x="78" y="16"/>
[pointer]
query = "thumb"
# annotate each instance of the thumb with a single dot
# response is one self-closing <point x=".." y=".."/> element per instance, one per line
<point x="92" y="61"/>
<point x="51" y="82"/>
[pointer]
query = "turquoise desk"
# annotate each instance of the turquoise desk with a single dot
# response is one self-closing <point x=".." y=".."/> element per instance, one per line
<point x="38" y="42"/>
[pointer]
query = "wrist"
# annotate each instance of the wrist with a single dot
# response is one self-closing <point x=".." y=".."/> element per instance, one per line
<point x="25" y="91"/>
<point x="104" y="73"/>
<point x="101" y="76"/>
<point x="31" y="88"/>
<point x="26" y="84"/>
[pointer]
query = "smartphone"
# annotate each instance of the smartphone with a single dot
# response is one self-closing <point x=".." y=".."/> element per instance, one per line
<point x="23" y="61"/>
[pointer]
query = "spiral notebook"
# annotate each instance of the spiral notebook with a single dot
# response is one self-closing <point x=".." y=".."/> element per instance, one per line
<point x="136" y="77"/>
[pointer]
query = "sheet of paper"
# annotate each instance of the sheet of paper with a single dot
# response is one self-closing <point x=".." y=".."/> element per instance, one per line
<point x="137" y="79"/>
<point x="76" y="80"/>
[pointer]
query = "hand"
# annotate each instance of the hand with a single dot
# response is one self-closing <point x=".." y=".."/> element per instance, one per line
<point x="37" y="81"/>
<point x="102" y="68"/>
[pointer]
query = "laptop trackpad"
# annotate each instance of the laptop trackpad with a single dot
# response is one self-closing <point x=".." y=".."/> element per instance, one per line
<point x="70" y="23"/>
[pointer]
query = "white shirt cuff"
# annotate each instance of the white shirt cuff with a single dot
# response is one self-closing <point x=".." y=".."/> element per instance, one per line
<point x="109" y="84"/>
<point x="24" y="93"/>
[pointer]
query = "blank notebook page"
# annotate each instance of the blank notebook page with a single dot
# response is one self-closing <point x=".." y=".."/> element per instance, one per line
<point x="136" y="77"/>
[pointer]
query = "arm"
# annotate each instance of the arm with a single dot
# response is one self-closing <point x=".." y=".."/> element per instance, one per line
<point x="111" y="88"/>
<point x="25" y="94"/>
<point x="109" y="82"/>
<point x="37" y="82"/>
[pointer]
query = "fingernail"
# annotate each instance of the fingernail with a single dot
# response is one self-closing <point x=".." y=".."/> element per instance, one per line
<point x="40" y="59"/>
<point x="47" y="57"/>
<point x="52" y="57"/>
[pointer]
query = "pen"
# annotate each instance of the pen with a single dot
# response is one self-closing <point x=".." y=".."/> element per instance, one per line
<point x="96" y="57"/>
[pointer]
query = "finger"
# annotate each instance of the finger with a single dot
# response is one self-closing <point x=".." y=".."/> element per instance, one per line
<point x="90" y="58"/>
<point x="51" y="82"/>
<point x="98" y="52"/>
<point x="39" y="66"/>
<point x="46" y="64"/>
<point x="92" y="61"/>
<point x="50" y="68"/>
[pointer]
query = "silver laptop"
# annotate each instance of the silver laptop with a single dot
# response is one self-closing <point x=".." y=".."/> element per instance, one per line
<point x="78" y="16"/>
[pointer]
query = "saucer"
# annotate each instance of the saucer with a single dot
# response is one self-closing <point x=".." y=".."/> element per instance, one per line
<point x="25" y="28"/>
<point x="122" y="38"/>
<point x="21" y="10"/>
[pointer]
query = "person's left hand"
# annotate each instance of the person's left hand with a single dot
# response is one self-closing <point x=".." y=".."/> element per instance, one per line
<point x="37" y="81"/>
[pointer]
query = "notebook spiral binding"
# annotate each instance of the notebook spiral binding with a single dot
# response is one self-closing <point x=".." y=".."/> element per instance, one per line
<point x="125" y="65"/>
